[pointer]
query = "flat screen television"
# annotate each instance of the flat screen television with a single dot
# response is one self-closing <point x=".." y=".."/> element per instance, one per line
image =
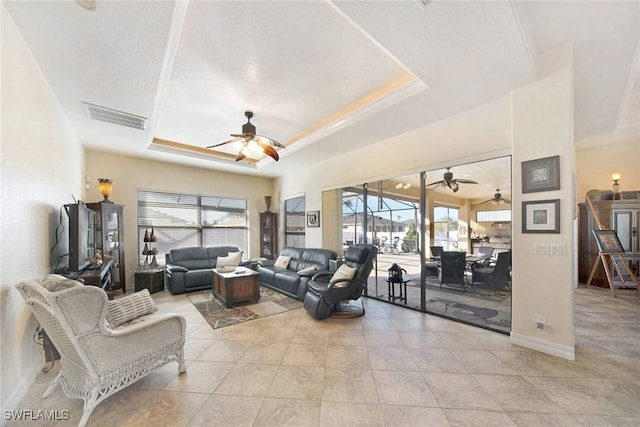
<point x="82" y="236"/>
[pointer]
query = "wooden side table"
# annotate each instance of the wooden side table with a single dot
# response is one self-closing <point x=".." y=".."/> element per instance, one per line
<point x="149" y="279"/>
<point x="403" y="287"/>
<point x="237" y="286"/>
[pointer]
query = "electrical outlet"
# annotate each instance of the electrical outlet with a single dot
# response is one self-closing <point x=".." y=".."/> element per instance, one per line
<point x="541" y="321"/>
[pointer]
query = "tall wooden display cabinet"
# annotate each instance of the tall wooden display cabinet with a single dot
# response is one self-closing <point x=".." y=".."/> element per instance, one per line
<point x="623" y="216"/>
<point x="110" y="239"/>
<point x="268" y="234"/>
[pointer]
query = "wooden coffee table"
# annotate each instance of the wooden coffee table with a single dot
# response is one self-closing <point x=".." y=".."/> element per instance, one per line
<point x="237" y="286"/>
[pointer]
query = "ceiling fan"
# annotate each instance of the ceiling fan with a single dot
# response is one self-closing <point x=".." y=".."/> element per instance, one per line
<point x="251" y="142"/>
<point x="497" y="199"/>
<point x="449" y="181"/>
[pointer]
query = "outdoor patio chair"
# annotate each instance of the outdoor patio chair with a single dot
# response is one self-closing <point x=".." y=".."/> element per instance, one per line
<point x="495" y="277"/>
<point x="104" y="345"/>
<point x="487" y="251"/>
<point x="436" y="251"/>
<point x="452" y="268"/>
<point x="432" y="266"/>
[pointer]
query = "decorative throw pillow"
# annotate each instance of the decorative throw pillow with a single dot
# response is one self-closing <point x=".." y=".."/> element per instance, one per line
<point x="282" y="261"/>
<point x="236" y="257"/>
<point x="344" y="272"/>
<point x="308" y="269"/>
<point x="125" y="309"/>
<point x="228" y="261"/>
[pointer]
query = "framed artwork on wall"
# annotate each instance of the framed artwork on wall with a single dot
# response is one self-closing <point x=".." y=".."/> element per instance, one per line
<point x="541" y="174"/>
<point x="541" y="216"/>
<point x="313" y="219"/>
<point x="608" y="242"/>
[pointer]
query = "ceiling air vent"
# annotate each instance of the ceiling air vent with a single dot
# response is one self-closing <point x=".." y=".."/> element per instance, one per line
<point x="115" y="117"/>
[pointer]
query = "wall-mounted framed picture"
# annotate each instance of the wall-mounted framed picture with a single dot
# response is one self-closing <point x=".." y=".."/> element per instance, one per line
<point x="608" y="242"/>
<point x="541" y="174"/>
<point x="313" y="219"/>
<point x="542" y="216"/>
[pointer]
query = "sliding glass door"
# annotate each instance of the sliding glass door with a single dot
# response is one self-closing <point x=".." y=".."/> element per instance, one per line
<point x="403" y="217"/>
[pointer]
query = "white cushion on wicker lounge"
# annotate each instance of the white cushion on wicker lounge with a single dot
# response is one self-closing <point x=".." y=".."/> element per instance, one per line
<point x="125" y="309"/>
<point x="98" y="361"/>
<point x="56" y="282"/>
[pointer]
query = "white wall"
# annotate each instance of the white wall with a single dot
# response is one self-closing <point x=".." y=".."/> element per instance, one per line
<point x="41" y="165"/>
<point x="594" y="166"/>
<point x="445" y="143"/>
<point x="130" y="174"/>
<point x="543" y="285"/>
<point x="540" y="120"/>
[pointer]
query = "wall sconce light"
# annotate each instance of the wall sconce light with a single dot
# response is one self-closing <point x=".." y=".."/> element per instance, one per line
<point x="616" y="185"/>
<point x="105" y="189"/>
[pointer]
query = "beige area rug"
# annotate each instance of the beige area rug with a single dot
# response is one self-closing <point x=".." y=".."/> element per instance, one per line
<point x="218" y="316"/>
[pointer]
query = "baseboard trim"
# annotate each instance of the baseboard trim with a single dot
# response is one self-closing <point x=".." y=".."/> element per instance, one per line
<point x="554" y="349"/>
<point x="13" y="402"/>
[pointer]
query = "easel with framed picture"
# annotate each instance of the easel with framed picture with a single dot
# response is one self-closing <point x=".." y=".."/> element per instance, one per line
<point x="611" y="254"/>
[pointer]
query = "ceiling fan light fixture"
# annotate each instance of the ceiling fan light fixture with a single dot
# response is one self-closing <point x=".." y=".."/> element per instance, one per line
<point x="251" y="142"/>
<point x="254" y="149"/>
<point x="403" y="186"/>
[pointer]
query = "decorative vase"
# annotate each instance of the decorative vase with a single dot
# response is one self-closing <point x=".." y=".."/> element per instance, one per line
<point x="267" y="201"/>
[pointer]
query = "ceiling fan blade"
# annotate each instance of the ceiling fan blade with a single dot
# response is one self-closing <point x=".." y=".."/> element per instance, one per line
<point x="234" y="139"/>
<point x="435" y="183"/>
<point x="268" y="149"/>
<point x="464" y="181"/>
<point x="241" y="154"/>
<point x="506" y="200"/>
<point x="273" y="142"/>
<point x="487" y="201"/>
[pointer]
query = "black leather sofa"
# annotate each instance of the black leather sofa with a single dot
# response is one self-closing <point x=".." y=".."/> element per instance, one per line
<point x="289" y="280"/>
<point x="189" y="269"/>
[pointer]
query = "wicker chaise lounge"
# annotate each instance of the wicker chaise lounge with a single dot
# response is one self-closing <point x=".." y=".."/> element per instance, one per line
<point x="98" y="355"/>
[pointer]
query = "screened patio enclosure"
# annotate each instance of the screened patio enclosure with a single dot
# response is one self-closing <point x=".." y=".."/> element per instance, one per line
<point x="404" y="217"/>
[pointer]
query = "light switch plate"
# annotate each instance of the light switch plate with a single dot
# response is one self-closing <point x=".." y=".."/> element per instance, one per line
<point x="542" y="249"/>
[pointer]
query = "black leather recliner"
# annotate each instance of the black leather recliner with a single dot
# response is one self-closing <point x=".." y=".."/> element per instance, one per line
<point x="323" y="298"/>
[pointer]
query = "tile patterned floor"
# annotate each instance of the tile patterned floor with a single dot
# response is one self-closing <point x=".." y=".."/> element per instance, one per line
<point x="392" y="367"/>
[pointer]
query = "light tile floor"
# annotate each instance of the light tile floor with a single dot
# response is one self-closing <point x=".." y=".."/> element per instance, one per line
<point x="392" y="367"/>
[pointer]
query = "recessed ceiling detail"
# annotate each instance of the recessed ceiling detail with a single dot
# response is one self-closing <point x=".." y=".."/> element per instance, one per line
<point x="395" y="91"/>
<point x="324" y="77"/>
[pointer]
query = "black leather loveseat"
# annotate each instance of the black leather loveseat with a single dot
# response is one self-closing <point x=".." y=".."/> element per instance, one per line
<point x="291" y="280"/>
<point x="189" y="269"/>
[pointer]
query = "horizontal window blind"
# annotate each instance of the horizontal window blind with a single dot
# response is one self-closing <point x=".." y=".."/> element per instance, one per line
<point x="181" y="220"/>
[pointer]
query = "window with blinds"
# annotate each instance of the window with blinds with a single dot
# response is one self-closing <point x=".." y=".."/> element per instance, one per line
<point x="294" y="222"/>
<point x="181" y="220"/>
